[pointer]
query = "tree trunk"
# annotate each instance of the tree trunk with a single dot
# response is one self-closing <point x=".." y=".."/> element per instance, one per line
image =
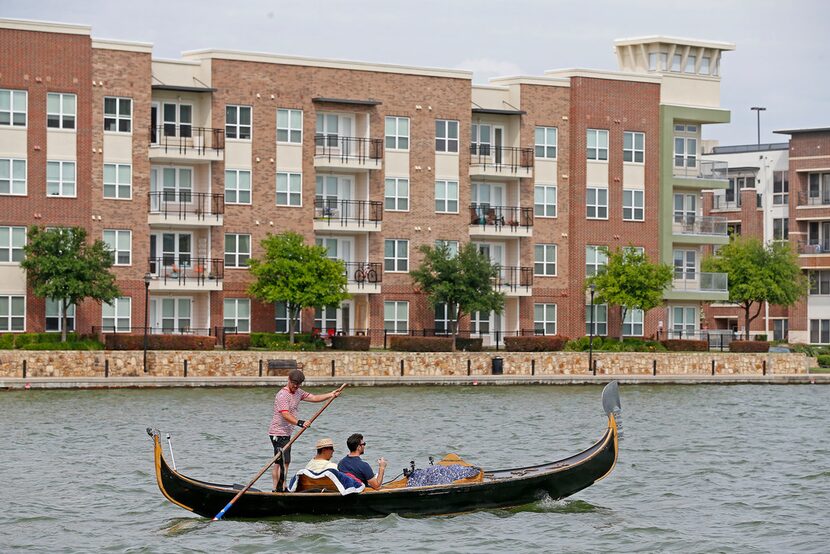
<point x="291" y="323"/>
<point x="623" y="311"/>
<point x="65" y="307"/>
<point x="749" y="319"/>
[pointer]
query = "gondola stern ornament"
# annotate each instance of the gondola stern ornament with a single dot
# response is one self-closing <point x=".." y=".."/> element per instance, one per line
<point x="153" y="432"/>
<point x="611" y="398"/>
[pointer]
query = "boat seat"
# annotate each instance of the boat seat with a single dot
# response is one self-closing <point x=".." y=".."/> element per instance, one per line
<point x="307" y="484"/>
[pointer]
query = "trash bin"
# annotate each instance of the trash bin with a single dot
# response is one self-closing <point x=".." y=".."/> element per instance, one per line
<point x="498" y="366"/>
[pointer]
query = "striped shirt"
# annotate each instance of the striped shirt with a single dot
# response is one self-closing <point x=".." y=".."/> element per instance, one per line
<point x="285" y="402"/>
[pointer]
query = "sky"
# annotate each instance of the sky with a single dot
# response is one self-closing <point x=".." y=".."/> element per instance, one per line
<point x="781" y="61"/>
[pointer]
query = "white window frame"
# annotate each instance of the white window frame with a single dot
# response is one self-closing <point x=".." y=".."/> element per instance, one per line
<point x="780" y="228"/>
<point x="123" y="190"/>
<point x="282" y="319"/>
<point x="9" y="318"/>
<point x="544" y="256"/>
<point x="781" y="188"/>
<point x="9" y="247"/>
<point x="633" y="323"/>
<point x="14" y="107"/>
<point x="446" y="197"/>
<point x="233" y="191"/>
<point x="600" y="320"/>
<point x="546" y="139"/>
<point x="116" y="307"/>
<point x="596" y="259"/>
<point x="238" y="257"/>
<point x="452" y="246"/>
<point x="396" y="263"/>
<point x="542" y="204"/>
<point x="291" y="188"/>
<point x="115" y="240"/>
<point x="66" y="115"/>
<point x="54" y="311"/>
<point x="542" y="321"/>
<point x="632" y="152"/>
<point x="396" y="133"/>
<point x="688" y="321"/>
<point x="819" y="280"/>
<point x="784" y="332"/>
<point x="599" y="150"/>
<point x="596" y="207"/>
<point x="634" y="205"/>
<point x="118" y="119"/>
<point x="444" y="317"/>
<point x="66" y="180"/>
<point x="686" y="137"/>
<point x="236" y="128"/>
<point x="292" y="133"/>
<point x="398" y="323"/>
<point x="10" y="174"/>
<point x="445" y="142"/>
<point x="396" y="194"/>
<point x="236" y="317"/>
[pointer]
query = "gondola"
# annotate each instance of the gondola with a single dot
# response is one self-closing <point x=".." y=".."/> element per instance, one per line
<point x="495" y="489"/>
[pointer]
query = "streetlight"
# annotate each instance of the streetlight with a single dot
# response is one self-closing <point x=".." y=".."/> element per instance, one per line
<point x="147" y="278"/>
<point x="591" y="330"/>
<point x="758" y="110"/>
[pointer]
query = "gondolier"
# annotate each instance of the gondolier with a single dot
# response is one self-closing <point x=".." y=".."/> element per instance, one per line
<point x="285" y="419"/>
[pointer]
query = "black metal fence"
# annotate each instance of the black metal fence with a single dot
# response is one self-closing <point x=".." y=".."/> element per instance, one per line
<point x="336" y="211"/>
<point x="182" y="203"/>
<point x="348" y="150"/>
<point x="508" y="159"/>
<point x="184" y="269"/>
<point x="511" y="217"/>
<point x="186" y="139"/>
<point x="364" y="273"/>
<point x="715" y="339"/>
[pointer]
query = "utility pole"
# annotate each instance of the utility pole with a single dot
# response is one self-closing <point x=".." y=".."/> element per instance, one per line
<point x="758" y="110"/>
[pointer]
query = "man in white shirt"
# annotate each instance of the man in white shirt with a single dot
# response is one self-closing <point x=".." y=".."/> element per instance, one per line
<point x="322" y="461"/>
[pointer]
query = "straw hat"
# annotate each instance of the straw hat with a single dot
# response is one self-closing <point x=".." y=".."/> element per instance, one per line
<point x="325" y="443"/>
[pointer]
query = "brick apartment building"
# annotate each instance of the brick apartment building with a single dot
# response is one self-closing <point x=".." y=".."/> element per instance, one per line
<point x="184" y="166"/>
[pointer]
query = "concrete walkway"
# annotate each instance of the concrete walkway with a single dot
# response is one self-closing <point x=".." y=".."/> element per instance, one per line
<point x="11" y="383"/>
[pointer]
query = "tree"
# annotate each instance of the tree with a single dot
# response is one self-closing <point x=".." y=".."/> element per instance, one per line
<point x="631" y="282"/>
<point x="463" y="281"/>
<point x="61" y="264"/>
<point x="759" y="274"/>
<point x="298" y="274"/>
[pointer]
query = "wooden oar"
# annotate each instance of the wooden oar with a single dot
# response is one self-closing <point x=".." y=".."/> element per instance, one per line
<point x="275" y="458"/>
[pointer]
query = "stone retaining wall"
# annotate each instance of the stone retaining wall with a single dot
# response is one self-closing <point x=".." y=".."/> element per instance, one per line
<point x="372" y="364"/>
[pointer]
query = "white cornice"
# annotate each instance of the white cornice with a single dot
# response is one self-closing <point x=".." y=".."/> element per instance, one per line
<point x="660" y="39"/>
<point x="45" y="26"/>
<point x="125" y="45"/>
<point x="531" y="80"/>
<point x="604" y="74"/>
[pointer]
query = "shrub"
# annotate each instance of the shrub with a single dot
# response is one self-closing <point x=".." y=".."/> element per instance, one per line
<point x="749" y="346"/>
<point x="808" y="349"/>
<point x="351" y="343"/>
<point x="685" y="345"/>
<point x="535" y="343"/>
<point x="85" y="344"/>
<point x="760" y="337"/>
<point x="237" y="342"/>
<point x="404" y="343"/>
<point x="7" y="342"/>
<point x="48" y="341"/>
<point x="467" y="344"/>
<point x="823" y="360"/>
<point x="628" y="344"/>
<point x="120" y="341"/>
<point x="279" y="341"/>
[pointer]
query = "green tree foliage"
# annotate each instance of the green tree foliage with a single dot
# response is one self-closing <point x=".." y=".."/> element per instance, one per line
<point x="631" y="281"/>
<point x="759" y="274"/>
<point x="298" y="274"/>
<point x="62" y="265"/>
<point x="464" y="281"/>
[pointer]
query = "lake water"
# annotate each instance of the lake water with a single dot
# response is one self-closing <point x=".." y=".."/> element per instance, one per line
<point x="701" y="469"/>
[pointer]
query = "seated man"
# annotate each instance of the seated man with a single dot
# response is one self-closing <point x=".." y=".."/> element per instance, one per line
<point x="353" y="465"/>
<point x="322" y="461"/>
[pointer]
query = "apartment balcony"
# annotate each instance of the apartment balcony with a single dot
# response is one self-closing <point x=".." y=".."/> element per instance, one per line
<point x="185" y="143"/>
<point x="813" y="256"/>
<point x="347" y="216"/>
<point x="514" y="281"/>
<point x="696" y="285"/>
<point x="348" y="153"/>
<point x="700" y="230"/>
<point x="813" y="205"/>
<point x="814" y="248"/>
<point x="500" y="161"/>
<point x="706" y="174"/>
<point x="171" y="208"/>
<point x="186" y="273"/>
<point x="500" y="221"/>
<point x="364" y="277"/>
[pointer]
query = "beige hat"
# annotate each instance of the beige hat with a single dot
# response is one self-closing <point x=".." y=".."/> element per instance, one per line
<point x="325" y="443"/>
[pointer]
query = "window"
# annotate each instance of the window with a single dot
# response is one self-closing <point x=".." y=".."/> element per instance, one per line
<point x="177" y="120"/>
<point x="545" y="260"/>
<point x="780" y="228"/>
<point x="282" y="319"/>
<point x="480" y="324"/>
<point x="819" y="329"/>
<point x="237" y="186"/>
<point x="325" y="318"/>
<point x="819" y="282"/>
<point x="546" y="142"/>
<point x="13" y="107"/>
<point x="780" y="329"/>
<point x="54" y="319"/>
<point x="544" y="319"/>
<point x="596" y="258"/>
<point x="116" y="316"/>
<point x="289" y="189"/>
<point x="683" y="320"/>
<point x="13" y="177"/>
<point x="118" y="114"/>
<point x="633" y="323"/>
<point x="119" y="243"/>
<point x="544" y="200"/>
<point x="12" y="240"/>
<point x="685" y="208"/>
<point x="675" y="62"/>
<point x="596" y="203"/>
<point x="397" y="133"/>
<point x="446" y="135"/>
<point x="704" y="65"/>
<point x="597" y="145"/>
<point x="685" y="264"/>
<point x="481" y="140"/>
<point x="818" y="188"/>
<point x="691" y="60"/>
<point x="60" y="179"/>
<point x="118" y="179"/>
<point x="237" y="250"/>
<point x="396" y="316"/>
<point x="176" y="314"/>
<point x="780" y="188"/>
<point x="634" y="147"/>
<point x="444" y="318"/>
<point x="633" y="205"/>
<point x="452" y="246"/>
<point x="60" y="110"/>
<point x="446" y="197"/>
<point x="396" y="255"/>
<point x="238" y="122"/>
<point x="238" y="314"/>
<point x="12" y="313"/>
<point x="396" y="195"/>
<point x="600" y="319"/>
<point x="290" y="126"/>
<point x="685" y="145"/>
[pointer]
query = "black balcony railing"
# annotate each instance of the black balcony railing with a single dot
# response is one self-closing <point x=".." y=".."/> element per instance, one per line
<point x="512" y="217"/>
<point x="508" y="159"/>
<point x="345" y="211"/>
<point x="348" y="150"/>
<point x="364" y="273"/>
<point x="181" y="204"/>
<point x="727" y="202"/>
<point x="512" y="278"/>
<point x="716" y="339"/>
<point x="814" y="198"/>
<point x="186" y="139"/>
<point x="184" y="269"/>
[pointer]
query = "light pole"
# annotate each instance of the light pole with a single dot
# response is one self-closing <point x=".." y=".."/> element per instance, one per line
<point x="591" y="330"/>
<point x="758" y="110"/>
<point x="147" y="277"/>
